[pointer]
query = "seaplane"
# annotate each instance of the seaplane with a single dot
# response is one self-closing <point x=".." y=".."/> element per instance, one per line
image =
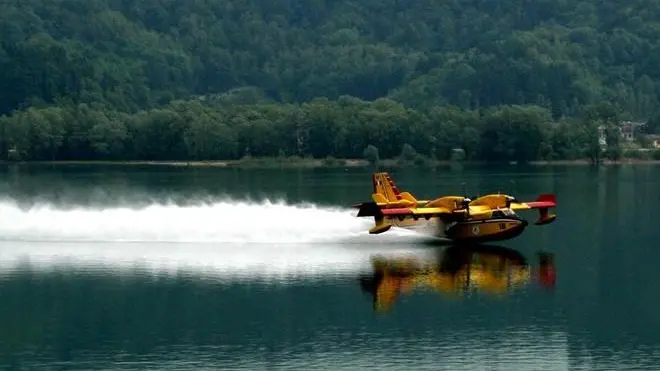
<point x="457" y="271"/>
<point x="488" y="218"/>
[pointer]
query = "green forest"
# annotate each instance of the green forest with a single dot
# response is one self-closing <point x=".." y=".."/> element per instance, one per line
<point x="199" y="80"/>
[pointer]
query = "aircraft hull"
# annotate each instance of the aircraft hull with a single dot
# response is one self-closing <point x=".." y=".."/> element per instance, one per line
<point x="477" y="231"/>
<point x="488" y="230"/>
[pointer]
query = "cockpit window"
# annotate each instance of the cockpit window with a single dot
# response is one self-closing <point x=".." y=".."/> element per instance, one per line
<point x="500" y="213"/>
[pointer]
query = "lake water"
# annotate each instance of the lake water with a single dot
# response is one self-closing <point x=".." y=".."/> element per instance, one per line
<point x="186" y="269"/>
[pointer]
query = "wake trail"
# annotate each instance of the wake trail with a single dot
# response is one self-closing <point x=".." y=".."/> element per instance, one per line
<point x="226" y="238"/>
<point x="222" y="221"/>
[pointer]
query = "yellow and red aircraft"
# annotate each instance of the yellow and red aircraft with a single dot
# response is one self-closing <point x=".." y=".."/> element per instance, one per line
<point x="459" y="270"/>
<point x="488" y="218"/>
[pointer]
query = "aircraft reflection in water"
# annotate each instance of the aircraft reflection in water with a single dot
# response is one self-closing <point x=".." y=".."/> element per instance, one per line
<point x="459" y="269"/>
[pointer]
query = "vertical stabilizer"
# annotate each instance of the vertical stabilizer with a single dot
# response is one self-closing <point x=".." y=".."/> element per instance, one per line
<point x="386" y="191"/>
<point x="384" y="185"/>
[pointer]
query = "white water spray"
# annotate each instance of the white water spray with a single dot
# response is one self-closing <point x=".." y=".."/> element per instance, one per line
<point x="230" y="238"/>
<point x="226" y="221"/>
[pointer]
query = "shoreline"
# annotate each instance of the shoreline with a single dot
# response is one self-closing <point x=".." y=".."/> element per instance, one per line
<point x="323" y="163"/>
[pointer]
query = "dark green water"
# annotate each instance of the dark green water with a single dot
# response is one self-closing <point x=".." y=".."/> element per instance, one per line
<point x="187" y="269"/>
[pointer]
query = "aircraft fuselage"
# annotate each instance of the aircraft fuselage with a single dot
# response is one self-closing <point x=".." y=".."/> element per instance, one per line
<point x="490" y="229"/>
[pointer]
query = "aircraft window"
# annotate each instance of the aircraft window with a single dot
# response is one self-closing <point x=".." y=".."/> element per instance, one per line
<point x="498" y="214"/>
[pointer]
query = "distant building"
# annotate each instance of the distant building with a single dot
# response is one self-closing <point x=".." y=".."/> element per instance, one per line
<point x="653" y="140"/>
<point x="628" y="130"/>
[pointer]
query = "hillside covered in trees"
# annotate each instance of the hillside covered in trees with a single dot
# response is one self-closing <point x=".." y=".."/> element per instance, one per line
<point x="222" y="79"/>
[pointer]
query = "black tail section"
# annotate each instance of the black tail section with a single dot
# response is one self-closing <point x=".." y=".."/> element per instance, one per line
<point x="372" y="209"/>
<point x="369" y="209"/>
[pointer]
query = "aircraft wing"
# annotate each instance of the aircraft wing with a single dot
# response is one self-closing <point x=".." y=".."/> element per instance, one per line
<point x="378" y="212"/>
<point x="420" y="211"/>
<point x="374" y="209"/>
<point x="544" y="201"/>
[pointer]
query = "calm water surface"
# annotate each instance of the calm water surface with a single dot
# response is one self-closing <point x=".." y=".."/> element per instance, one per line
<point x="187" y="269"/>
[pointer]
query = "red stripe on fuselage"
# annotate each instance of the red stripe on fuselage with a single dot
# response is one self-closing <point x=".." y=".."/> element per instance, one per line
<point x="397" y="211"/>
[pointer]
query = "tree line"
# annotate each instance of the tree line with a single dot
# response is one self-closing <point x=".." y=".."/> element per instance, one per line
<point x="344" y="128"/>
<point x="201" y="79"/>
